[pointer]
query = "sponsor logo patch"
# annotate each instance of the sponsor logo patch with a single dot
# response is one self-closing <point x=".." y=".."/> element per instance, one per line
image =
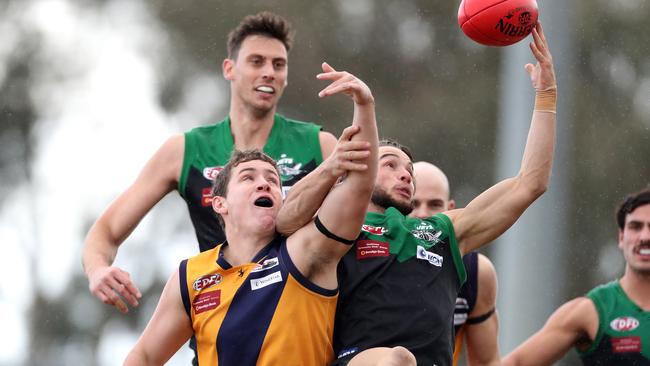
<point x="206" y="197"/>
<point x="374" y="230"/>
<point x="206" y="301"/>
<point x="258" y="283"/>
<point x="372" y="248"/>
<point x="624" y="324"/>
<point x="267" y="264"/>
<point x="347" y="351"/>
<point x="206" y="281"/>
<point x="425" y="231"/>
<point x="432" y="258"/>
<point x="211" y="172"/>
<point x="287" y="167"/>
<point x="626" y="344"/>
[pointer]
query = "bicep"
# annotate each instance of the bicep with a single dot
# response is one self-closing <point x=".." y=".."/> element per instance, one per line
<point x="327" y="143"/>
<point x="482" y="342"/>
<point x="482" y="338"/>
<point x="169" y="327"/>
<point x="490" y="214"/>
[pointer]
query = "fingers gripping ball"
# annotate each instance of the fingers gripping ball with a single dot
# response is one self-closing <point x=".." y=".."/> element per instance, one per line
<point x="497" y="22"/>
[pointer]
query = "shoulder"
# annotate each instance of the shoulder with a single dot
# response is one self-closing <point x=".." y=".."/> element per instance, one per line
<point x="579" y="315"/>
<point x="207" y="130"/>
<point x="487" y="279"/>
<point x="294" y="122"/>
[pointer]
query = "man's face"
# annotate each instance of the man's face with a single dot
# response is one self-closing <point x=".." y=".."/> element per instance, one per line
<point x="254" y="197"/>
<point x="634" y="240"/>
<point x="432" y="193"/>
<point x="394" y="183"/>
<point x="259" y="74"/>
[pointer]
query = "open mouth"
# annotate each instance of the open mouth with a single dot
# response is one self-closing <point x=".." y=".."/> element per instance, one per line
<point x="644" y="250"/>
<point x="264" y="202"/>
<point x="265" y="89"/>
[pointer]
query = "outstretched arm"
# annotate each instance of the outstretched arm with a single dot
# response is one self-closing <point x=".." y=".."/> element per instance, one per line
<point x="344" y="208"/>
<point x="573" y="324"/>
<point x="306" y="196"/>
<point x="495" y="210"/>
<point x="167" y="330"/>
<point x="481" y="333"/>
<point x="158" y="177"/>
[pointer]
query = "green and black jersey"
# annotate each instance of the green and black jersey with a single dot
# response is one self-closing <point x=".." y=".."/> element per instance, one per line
<point x="398" y="286"/>
<point x="623" y="336"/>
<point x="293" y="144"/>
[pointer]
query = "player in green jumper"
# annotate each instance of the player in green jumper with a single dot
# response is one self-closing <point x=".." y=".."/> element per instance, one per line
<point x="256" y="68"/>
<point x="611" y="325"/>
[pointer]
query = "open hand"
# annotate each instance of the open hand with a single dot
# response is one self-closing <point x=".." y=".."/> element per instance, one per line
<point x="346" y="83"/>
<point x="106" y="283"/>
<point x="542" y="74"/>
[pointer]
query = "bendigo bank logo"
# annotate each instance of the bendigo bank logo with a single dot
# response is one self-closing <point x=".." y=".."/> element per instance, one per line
<point x="516" y="26"/>
<point x="624" y="324"/>
<point x="206" y="281"/>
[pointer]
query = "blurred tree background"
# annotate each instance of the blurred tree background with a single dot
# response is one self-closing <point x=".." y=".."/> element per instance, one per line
<point x="436" y="91"/>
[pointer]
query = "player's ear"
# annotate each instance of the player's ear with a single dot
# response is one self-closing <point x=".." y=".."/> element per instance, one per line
<point x="226" y="68"/>
<point x="620" y="238"/>
<point x="451" y="205"/>
<point x="219" y="205"/>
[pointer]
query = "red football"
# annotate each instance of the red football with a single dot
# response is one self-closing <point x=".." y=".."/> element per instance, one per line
<point x="497" y="22"/>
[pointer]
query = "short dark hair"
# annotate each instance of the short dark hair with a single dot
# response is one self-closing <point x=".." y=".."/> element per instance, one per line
<point x="394" y="143"/>
<point x="265" y="24"/>
<point x="220" y="183"/>
<point x="630" y="203"/>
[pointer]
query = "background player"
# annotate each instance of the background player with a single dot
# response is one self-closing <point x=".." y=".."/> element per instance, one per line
<point x="611" y="325"/>
<point x="256" y="67"/>
<point x="475" y="318"/>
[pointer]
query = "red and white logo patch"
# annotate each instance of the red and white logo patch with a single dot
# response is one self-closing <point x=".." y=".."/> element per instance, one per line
<point x="626" y="344"/>
<point x="372" y="248"/>
<point x="624" y="324"/>
<point x="206" y="281"/>
<point x="211" y="172"/>
<point x="206" y="301"/>
<point x="375" y="230"/>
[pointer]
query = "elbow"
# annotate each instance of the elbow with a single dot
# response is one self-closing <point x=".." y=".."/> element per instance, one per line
<point x="535" y="185"/>
<point x="538" y="189"/>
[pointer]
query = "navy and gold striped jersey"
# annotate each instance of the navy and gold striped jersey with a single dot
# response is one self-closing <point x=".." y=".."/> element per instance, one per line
<point x="259" y="313"/>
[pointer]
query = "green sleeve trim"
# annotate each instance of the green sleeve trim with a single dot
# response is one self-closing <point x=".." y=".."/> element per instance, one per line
<point x="455" y="251"/>
<point x="189" y="150"/>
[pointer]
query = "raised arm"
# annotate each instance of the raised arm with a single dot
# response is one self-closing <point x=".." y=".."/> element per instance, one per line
<point x="306" y="196"/>
<point x="573" y="324"/>
<point x="158" y="177"/>
<point x="168" y="329"/>
<point x="495" y="210"/>
<point x="343" y="211"/>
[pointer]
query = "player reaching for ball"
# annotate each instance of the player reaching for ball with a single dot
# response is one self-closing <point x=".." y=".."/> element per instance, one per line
<point x="398" y="284"/>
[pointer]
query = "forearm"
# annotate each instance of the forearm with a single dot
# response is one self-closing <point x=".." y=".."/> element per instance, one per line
<point x="99" y="251"/>
<point x="537" y="161"/>
<point x="136" y="358"/>
<point x="304" y="200"/>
